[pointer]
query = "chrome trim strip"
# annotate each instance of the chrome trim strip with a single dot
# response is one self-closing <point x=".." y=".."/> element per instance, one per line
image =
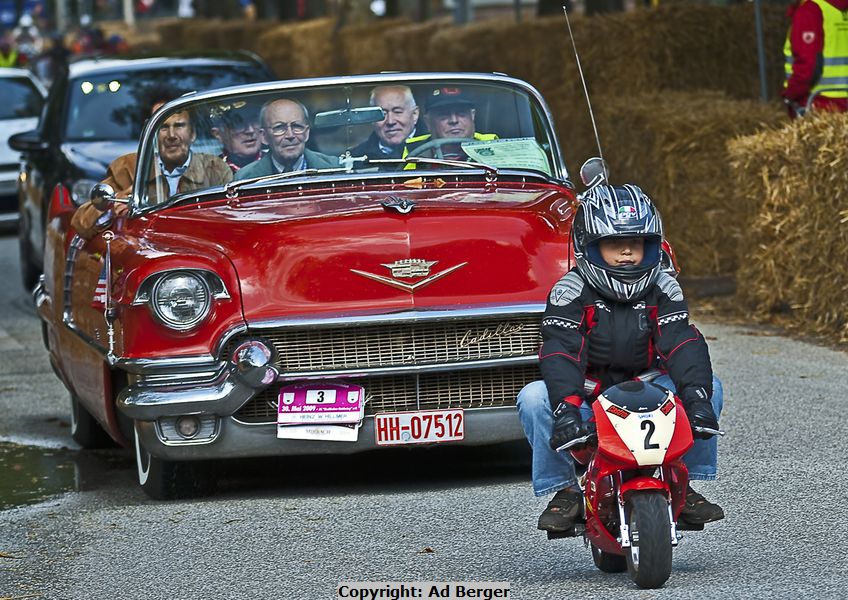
<point x="400" y="317"/>
<point x="413" y="369"/>
<point x="180" y="363"/>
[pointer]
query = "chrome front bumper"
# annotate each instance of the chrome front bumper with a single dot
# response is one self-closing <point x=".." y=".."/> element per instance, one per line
<point x="235" y="440"/>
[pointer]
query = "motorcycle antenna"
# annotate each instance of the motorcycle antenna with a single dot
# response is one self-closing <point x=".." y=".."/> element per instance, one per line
<point x="583" y="81"/>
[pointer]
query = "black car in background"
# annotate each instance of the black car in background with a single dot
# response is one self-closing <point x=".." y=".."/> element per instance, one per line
<point x="94" y="113"/>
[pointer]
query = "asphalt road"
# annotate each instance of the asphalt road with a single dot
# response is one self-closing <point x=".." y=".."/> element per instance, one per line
<point x="295" y="529"/>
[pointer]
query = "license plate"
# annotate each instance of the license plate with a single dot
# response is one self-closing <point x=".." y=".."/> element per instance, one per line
<point x="320" y="403"/>
<point x="423" y="427"/>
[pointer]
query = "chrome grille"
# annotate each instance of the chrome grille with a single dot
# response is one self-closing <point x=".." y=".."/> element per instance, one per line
<point x="375" y="345"/>
<point x="473" y="388"/>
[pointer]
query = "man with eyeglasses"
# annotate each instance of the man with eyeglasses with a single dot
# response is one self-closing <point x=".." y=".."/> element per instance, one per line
<point x="285" y="129"/>
<point x="237" y="127"/>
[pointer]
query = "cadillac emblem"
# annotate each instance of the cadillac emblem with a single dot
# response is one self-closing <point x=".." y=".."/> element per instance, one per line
<point x="409" y="268"/>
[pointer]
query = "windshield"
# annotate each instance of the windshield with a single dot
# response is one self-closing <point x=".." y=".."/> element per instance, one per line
<point x="349" y="128"/>
<point x="114" y="106"/>
<point x="21" y="99"/>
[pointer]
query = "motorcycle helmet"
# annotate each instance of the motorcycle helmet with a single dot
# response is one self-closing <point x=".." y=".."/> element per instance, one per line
<point x="624" y="211"/>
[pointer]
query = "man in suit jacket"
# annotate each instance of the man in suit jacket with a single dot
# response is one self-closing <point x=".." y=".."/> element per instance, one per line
<point x="285" y="130"/>
<point x="401" y="117"/>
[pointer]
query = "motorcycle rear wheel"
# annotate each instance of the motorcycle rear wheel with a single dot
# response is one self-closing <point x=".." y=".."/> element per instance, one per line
<point x="649" y="555"/>
<point x="608" y="563"/>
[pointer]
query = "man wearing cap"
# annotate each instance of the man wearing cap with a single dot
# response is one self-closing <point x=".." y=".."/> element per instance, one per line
<point x="401" y="117"/>
<point x="236" y="126"/>
<point x="285" y="129"/>
<point x="448" y="113"/>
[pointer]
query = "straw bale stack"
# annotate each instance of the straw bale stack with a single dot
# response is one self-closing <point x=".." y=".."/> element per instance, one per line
<point x="365" y="48"/>
<point x="240" y="34"/>
<point x="409" y="46"/>
<point x="793" y="259"/>
<point x="200" y="34"/>
<point x="674" y="146"/>
<point x="304" y="49"/>
<point x="171" y="34"/>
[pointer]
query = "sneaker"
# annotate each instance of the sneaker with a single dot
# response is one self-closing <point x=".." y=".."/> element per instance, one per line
<point x="698" y="510"/>
<point x="561" y="511"/>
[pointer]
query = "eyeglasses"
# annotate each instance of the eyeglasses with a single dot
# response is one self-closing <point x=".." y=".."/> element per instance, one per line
<point x="280" y="128"/>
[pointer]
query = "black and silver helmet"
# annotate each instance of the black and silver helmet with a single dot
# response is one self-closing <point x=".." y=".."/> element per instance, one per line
<point x="620" y="211"/>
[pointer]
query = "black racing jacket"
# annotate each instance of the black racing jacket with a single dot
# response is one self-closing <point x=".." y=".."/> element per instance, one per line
<point x="587" y="335"/>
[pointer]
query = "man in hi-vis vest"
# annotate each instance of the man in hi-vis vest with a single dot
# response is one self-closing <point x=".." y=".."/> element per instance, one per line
<point x="816" y="56"/>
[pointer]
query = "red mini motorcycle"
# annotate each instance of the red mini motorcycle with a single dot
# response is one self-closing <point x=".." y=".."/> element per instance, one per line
<point x="635" y="480"/>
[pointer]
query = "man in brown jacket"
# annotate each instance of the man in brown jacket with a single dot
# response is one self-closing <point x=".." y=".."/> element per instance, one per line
<point x="177" y="170"/>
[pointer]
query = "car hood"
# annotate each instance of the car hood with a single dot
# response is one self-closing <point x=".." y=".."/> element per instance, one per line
<point x="348" y="254"/>
<point x="8" y="128"/>
<point x="93" y="158"/>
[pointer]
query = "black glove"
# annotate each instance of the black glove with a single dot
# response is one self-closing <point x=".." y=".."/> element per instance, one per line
<point x="700" y="412"/>
<point x="568" y="425"/>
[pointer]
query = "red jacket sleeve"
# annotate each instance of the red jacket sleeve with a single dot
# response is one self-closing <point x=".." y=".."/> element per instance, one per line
<point x="806" y="36"/>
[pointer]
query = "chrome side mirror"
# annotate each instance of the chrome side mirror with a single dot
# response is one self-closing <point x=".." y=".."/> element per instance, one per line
<point x="102" y="196"/>
<point x="594" y="172"/>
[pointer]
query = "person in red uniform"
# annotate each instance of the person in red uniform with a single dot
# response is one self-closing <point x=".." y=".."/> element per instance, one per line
<point x="812" y="60"/>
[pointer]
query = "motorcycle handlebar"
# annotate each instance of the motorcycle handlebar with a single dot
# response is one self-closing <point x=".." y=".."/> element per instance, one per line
<point x="578" y="442"/>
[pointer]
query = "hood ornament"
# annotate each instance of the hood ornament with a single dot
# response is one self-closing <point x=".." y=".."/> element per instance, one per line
<point x="409" y="268"/>
<point x="402" y="205"/>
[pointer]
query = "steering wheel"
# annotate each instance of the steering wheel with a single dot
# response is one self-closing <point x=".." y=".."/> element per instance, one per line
<point x="437" y="144"/>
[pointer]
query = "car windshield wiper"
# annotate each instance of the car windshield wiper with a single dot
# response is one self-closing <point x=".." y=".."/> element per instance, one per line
<point x="233" y="186"/>
<point x="491" y="172"/>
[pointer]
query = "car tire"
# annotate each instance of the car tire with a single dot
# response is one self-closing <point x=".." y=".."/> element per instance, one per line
<point x="172" y="480"/>
<point x="29" y="271"/>
<point x="85" y="430"/>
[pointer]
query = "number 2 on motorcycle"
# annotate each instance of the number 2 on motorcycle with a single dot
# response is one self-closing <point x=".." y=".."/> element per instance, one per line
<point x="649" y="425"/>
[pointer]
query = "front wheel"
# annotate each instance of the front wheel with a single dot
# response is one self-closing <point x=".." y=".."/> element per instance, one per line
<point x="649" y="556"/>
<point x="171" y="480"/>
<point x="85" y="430"/>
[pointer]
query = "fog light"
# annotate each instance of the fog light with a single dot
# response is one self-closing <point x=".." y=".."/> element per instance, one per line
<point x="188" y="426"/>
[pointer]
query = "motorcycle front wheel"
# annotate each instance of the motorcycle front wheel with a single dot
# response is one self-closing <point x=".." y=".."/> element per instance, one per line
<point x="649" y="555"/>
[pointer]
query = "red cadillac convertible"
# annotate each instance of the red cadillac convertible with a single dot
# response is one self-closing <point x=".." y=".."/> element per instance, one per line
<point x="327" y="300"/>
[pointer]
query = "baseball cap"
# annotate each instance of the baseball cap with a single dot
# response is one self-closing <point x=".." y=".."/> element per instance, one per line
<point x="447" y="96"/>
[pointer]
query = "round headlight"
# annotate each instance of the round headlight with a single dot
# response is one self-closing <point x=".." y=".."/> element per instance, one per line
<point x="181" y="300"/>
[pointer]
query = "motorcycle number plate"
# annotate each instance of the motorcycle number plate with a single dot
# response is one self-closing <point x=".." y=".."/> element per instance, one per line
<point x="421" y="427"/>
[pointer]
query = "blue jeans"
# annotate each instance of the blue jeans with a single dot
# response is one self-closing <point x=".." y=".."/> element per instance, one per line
<point x="553" y="471"/>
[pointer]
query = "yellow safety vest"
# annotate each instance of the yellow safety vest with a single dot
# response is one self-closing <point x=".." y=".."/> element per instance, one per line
<point x="834" y="53"/>
<point x="483" y="137"/>
<point x="10" y="60"/>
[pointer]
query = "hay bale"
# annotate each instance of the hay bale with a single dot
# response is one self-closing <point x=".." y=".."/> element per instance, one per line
<point x="409" y="46"/>
<point x="365" y="48"/>
<point x="304" y="49"/>
<point x="171" y="34"/>
<point x="674" y="146"/>
<point x="200" y="34"/>
<point x="240" y="34"/>
<point x="797" y="245"/>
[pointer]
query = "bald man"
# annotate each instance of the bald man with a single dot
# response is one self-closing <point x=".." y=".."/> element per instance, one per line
<point x="285" y="130"/>
<point x="401" y="116"/>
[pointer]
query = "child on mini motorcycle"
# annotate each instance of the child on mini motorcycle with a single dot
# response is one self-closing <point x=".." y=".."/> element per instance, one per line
<point x="615" y="315"/>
